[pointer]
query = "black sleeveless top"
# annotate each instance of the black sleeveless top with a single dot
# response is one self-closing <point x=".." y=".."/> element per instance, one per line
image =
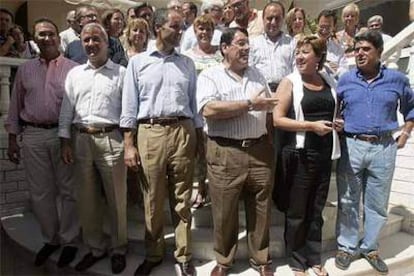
<point x="318" y="105"/>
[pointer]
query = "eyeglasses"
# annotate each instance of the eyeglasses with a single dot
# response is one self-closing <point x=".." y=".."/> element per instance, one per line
<point x="241" y="43"/>
<point x="90" y="16"/>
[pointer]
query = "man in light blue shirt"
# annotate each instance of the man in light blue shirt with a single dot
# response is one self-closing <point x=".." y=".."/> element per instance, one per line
<point x="159" y="101"/>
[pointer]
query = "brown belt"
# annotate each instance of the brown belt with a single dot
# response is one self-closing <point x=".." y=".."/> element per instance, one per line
<point x="162" y="121"/>
<point x="96" y="130"/>
<point x="45" y="126"/>
<point x="371" y="138"/>
<point x="245" y="143"/>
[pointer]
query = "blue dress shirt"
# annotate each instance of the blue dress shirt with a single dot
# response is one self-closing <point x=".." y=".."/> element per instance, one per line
<point x="371" y="108"/>
<point x="159" y="86"/>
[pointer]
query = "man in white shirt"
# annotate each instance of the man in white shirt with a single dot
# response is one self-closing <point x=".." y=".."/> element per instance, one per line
<point x="336" y="63"/>
<point x="71" y="33"/>
<point x="92" y="141"/>
<point x="375" y="23"/>
<point x="234" y="99"/>
<point x="247" y="18"/>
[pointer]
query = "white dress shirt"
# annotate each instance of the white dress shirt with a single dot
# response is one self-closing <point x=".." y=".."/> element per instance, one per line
<point x="92" y="97"/>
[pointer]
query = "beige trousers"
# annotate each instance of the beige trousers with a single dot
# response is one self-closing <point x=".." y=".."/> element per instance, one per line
<point x="167" y="156"/>
<point x="101" y="176"/>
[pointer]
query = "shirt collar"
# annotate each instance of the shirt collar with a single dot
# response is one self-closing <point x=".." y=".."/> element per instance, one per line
<point x="358" y="72"/>
<point x="278" y="38"/>
<point x="57" y="60"/>
<point x="109" y="64"/>
<point x="156" y="52"/>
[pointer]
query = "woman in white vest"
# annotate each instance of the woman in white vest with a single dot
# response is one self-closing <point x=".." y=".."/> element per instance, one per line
<point x="307" y="111"/>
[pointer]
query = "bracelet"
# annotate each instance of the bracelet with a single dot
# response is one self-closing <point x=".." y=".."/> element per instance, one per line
<point x="249" y="105"/>
<point x="406" y="133"/>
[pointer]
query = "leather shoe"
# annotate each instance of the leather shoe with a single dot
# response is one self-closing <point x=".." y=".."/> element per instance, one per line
<point x="44" y="253"/>
<point x="264" y="270"/>
<point x="118" y="263"/>
<point x="146" y="267"/>
<point x="343" y="260"/>
<point x="376" y="262"/>
<point x="88" y="261"/>
<point x="67" y="256"/>
<point x="219" y="270"/>
<point x="185" y="269"/>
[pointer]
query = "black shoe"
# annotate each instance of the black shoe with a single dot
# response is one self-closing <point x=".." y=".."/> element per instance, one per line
<point x="118" y="263"/>
<point x="146" y="267"/>
<point x="375" y="261"/>
<point x="343" y="260"/>
<point x="185" y="269"/>
<point x="88" y="261"/>
<point x="44" y="253"/>
<point x="67" y="256"/>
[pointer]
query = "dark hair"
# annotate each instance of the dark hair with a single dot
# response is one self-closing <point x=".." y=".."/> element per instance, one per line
<point x="274" y="3"/>
<point x="45" y="20"/>
<point x="328" y="13"/>
<point x="318" y="46"/>
<point x="143" y="5"/>
<point x="372" y="36"/>
<point x="228" y="35"/>
<point x="3" y="10"/>
<point x="107" y="16"/>
<point x="193" y="7"/>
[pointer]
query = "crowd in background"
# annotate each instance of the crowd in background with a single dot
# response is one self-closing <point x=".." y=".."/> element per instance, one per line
<point x="248" y="102"/>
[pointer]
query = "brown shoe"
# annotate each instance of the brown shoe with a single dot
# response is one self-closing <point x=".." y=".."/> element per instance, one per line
<point x="264" y="270"/>
<point x="219" y="270"/>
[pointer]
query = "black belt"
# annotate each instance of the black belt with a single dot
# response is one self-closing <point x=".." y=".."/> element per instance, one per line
<point x="45" y="126"/>
<point x="372" y="138"/>
<point x="273" y="86"/>
<point x="96" y="130"/>
<point x="162" y="121"/>
<point x="245" y="143"/>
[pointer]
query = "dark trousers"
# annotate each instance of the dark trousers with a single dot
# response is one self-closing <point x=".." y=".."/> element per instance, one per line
<point x="308" y="174"/>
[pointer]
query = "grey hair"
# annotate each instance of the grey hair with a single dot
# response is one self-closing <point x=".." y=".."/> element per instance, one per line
<point x="94" y="25"/>
<point x="207" y="5"/>
<point x="375" y="18"/>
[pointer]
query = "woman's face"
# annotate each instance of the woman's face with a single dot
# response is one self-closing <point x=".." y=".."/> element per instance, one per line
<point x="306" y="60"/>
<point x="138" y="36"/>
<point x="228" y="14"/>
<point x="298" y="23"/>
<point x="350" y="18"/>
<point x="204" y="33"/>
<point x="117" y="23"/>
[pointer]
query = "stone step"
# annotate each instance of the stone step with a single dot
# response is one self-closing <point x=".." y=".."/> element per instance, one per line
<point x="397" y="250"/>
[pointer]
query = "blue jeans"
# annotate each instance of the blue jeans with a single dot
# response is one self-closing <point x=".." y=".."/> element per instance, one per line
<point x="365" y="168"/>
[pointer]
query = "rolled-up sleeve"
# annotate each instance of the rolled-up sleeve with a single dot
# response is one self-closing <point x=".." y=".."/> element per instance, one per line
<point x="130" y="97"/>
<point x="407" y="102"/>
<point x="206" y="91"/>
<point x="67" y="109"/>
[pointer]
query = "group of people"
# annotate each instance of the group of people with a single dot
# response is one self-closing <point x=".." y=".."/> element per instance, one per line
<point x="255" y="109"/>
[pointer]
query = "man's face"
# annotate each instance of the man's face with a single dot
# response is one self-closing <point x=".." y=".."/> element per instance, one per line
<point x="170" y="32"/>
<point x="375" y="26"/>
<point x="238" y="51"/>
<point x="273" y="20"/>
<point x="46" y="38"/>
<point x="146" y="13"/>
<point x="187" y="13"/>
<point x="367" y="56"/>
<point x="216" y="13"/>
<point x="5" y="22"/>
<point x="95" y="45"/>
<point x="241" y="9"/>
<point x="88" y="16"/>
<point x="326" y="26"/>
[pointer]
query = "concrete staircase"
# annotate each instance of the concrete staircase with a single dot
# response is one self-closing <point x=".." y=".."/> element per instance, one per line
<point x="397" y="247"/>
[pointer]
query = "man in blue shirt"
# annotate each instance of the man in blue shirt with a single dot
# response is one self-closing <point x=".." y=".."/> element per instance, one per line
<point x="159" y="96"/>
<point x="370" y="96"/>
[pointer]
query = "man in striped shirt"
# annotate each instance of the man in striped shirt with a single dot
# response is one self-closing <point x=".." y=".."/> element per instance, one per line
<point x="234" y="99"/>
<point x="34" y="113"/>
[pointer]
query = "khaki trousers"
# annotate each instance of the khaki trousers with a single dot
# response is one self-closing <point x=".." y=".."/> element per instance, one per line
<point x="240" y="173"/>
<point x="167" y="157"/>
<point x="51" y="185"/>
<point x="101" y="175"/>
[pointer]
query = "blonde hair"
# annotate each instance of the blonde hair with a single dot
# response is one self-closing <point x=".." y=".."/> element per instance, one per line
<point x="350" y="7"/>
<point x="139" y="23"/>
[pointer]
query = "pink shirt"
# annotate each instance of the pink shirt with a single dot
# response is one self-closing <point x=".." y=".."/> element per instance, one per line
<point x="38" y="92"/>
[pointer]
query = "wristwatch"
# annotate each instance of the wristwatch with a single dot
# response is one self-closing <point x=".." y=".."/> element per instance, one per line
<point x="249" y="105"/>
